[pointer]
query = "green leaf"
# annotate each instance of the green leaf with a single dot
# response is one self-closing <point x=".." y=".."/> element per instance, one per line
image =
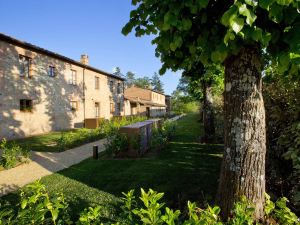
<point x="284" y="61"/>
<point x="24" y="203"/>
<point x="218" y="56"/>
<point x="231" y="12"/>
<point x="127" y="28"/>
<point x="237" y="24"/>
<point x="187" y="24"/>
<point x="203" y="3"/>
<point x="250" y="16"/>
<point x="266" y="38"/>
<point x="229" y="36"/>
<point x="275" y="12"/>
<point x="251" y="2"/>
<point x="170" y="19"/>
<point x="192" y="49"/>
<point x="265" y="4"/>
<point x="284" y="2"/>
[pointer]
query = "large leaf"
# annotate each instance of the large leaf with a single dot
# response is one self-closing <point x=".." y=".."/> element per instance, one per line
<point x="231" y="12"/>
<point x="250" y="16"/>
<point x="237" y="24"/>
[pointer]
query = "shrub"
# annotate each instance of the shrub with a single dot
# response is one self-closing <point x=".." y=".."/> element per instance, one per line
<point x="115" y="144"/>
<point x="37" y="207"/>
<point x="107" y="128"/>
<point x="12" y="154"/>
<point x="168" y="129"/>
<point x="158" y="139"/>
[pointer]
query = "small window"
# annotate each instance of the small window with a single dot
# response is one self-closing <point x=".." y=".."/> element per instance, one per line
<point x="119" y="88"/>
<point x="119" y="107"/>
<point x="74" y="105"/>
<point x="51" y="71"/>
<point x="112" y="107"/>
<point x="73" y="78"/>
<point x="111" y="86"/>
<point x="25" y="66"/>
<point x="26" y="105"/>
<point x="96" y="82"/>
<point x="97" y="109"/>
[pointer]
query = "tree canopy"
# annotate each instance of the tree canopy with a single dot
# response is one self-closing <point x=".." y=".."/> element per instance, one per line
<point x="156" y="83"/>
<point x="209" y="31"/>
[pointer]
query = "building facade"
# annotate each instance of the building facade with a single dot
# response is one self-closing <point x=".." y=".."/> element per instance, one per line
<point x="41" y="91"/>
<point x="139" y="101"/>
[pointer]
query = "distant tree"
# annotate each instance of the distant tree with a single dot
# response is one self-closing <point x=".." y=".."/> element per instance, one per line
<point x="117" y="72"/>
<point x="156" y="83"/>
<point x="143" y="82"/>
<point x="130" y="79"/>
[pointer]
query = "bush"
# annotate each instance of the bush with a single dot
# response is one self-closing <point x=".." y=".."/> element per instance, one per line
<point x="115" y="144"/>
<point x="37" y="207"/>
<point x="158" y="139"/>
<point x="282" y="97"/>
<point x="107" y="128"/>
<point x="12" y="154"/>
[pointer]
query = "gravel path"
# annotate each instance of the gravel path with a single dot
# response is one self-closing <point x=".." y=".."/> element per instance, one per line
<point x="42" y="164"/>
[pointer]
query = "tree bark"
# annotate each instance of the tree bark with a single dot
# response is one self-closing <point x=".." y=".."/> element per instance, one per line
<point x="243" y="166"/>
<point x="208" y="112"/>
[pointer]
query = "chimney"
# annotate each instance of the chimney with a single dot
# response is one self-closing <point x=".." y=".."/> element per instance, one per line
<point x="84" y="59"/>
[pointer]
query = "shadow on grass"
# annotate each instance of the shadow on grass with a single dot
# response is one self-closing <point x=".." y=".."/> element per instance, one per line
<point x="184" y="170"/>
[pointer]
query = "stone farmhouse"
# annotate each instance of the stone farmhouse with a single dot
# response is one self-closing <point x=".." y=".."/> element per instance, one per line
<point x="144" y="102"/>
<point x="42" y="91"/>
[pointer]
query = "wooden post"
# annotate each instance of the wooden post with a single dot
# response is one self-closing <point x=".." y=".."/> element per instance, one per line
<point x="95" y="152"/>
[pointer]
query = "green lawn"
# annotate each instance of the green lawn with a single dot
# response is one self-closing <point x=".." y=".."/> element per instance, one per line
<point x="184" y="170"/>
<point x="41" y="143"/>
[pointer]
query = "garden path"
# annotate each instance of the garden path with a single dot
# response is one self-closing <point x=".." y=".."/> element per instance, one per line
<point x="42" y="164"/>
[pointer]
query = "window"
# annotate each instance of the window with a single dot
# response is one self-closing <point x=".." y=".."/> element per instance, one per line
<point x="119" y="107"/>
<point x="119" y="88"/>
<point x="26" y="105"/>
<point x="111" y="86"/>
<point x="97" y="109"/>
<point x="74" y="105"/>
<point x="73" y="78"/>
<point x="96" y="82"/>
<point x="112" y="107"/>
<point x="25" y="64"/>
<point x="51" y="71"/>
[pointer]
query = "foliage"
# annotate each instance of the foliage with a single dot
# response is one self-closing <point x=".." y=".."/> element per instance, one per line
<point x="181" y="103"/>
<point x="156" y="83"/>
<point x="116" y="143"/>
<point x="280" y="211"/>
<point x="243" y="212"/>
<point x="168" y="129"/>
<point x="107" y="128"/>
<point x="143" y="82"/>
<point x="130" y="78"/>
<point x="12" y="154"/>
<point x="36" y="207"/>
<point x="282" y="96"/>
<point x="158" y="139"/>
<point x="189" y="31"/>
<point x="117" y="72"/>
<point x="90" y="216"/>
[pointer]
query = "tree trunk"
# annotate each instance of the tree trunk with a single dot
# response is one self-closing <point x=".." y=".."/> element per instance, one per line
<point x="243" y="166"/>
<point x="208" y="112"/>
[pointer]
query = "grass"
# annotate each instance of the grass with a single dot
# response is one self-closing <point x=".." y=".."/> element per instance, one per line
<point x="41" y="143"/>
<point x="184" y="170"/>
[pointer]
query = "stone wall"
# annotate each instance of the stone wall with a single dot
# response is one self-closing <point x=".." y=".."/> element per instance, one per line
<point x="51" y="96"/>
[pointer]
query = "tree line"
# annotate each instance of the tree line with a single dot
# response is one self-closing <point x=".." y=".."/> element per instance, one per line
<point x="153" y="83"/>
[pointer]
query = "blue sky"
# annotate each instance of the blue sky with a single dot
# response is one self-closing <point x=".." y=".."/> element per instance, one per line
<point x="73" y="27"/>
